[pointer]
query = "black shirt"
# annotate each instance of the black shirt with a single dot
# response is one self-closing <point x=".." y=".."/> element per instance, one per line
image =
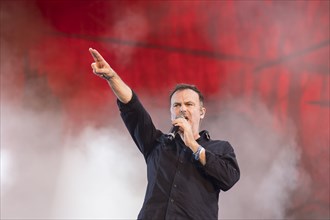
<point x="179" y="187"/>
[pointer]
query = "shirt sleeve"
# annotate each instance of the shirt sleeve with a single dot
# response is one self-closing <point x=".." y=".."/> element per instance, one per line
<point x="222" y="166"/>
<point x="139" y="124"/>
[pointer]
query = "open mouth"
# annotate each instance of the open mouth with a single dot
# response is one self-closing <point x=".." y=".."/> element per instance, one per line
<point x="183" y="116"/>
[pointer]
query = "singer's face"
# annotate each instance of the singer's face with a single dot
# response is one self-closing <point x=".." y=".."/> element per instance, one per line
<point x="186" y="103"/>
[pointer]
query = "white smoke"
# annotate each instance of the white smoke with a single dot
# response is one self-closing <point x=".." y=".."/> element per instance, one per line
<point x="45" y="174"/>
<point x="99" y="173"/>
<point x="268" y="159"/>
<point x="131" y="28"/>
<point x="30" y="149"/>
<point x="102" y="176"/>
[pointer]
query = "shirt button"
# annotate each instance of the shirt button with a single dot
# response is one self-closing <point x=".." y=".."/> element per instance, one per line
<point x="172" y="200"/>
<point x="174" y="185"/>
<point x="181" y="161"/>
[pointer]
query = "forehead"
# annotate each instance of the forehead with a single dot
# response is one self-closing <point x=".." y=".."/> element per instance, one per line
<point x="184" y="96"/>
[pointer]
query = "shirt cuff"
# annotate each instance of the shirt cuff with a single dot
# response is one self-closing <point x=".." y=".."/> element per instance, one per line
<point x="210" y="159"/>
<point x="128" y="106"/>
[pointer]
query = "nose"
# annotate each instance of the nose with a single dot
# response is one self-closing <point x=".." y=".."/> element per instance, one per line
<point x="183" y="108"/>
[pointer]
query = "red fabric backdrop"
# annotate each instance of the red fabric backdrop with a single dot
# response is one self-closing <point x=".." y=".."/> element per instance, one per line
<point x="275" y="50"/>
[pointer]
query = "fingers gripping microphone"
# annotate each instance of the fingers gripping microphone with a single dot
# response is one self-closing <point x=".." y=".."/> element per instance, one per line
<point x="171" y="135"/>
<point x="174" y="130"/>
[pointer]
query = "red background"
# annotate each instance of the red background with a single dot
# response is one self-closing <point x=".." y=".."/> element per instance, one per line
<point x="277" y="51"/>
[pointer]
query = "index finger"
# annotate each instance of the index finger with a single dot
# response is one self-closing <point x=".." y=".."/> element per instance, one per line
<point x="96" y="55"/>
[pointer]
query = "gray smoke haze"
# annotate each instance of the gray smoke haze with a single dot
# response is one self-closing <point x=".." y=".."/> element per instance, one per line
<point x="102" y="176"/>
<point x="48" y="174"/>
<point x="268" y="159"/>
<point x="99" y="173"/>
<point x="131" y="27"/>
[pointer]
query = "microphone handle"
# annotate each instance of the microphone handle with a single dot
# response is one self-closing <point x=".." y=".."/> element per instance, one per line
<point x="174" y="130"/>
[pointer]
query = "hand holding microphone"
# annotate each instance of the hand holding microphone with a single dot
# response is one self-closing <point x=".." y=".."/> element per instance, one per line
<point x="174" y="130"/>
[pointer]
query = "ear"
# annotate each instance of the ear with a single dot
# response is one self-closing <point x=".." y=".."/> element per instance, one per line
<point x="202" y="112"/>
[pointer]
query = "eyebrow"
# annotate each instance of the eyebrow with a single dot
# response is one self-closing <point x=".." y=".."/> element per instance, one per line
<point x="187" y="102"/>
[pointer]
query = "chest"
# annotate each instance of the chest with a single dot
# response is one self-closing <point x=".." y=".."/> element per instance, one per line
<point x="172" y="160"/>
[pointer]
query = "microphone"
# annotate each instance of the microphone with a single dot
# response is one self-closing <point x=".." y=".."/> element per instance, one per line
<point x="171" y="135"/>
<point x="174" y="130"/>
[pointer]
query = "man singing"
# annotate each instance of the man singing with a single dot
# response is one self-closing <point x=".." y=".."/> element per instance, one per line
<point x="185" y="170"/>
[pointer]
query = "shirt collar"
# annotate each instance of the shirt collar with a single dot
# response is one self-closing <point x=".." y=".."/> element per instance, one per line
<point x="204" y="135"/>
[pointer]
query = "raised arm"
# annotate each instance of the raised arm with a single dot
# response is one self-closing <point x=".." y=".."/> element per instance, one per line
<point x="102" y="69"/>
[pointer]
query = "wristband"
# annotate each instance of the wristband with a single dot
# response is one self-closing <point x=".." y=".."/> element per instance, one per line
<point x="106" y="77"/>
<point x="198" y="152"/>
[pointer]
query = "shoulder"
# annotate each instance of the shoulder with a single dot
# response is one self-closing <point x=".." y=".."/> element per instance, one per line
<point x="219" y="146"/>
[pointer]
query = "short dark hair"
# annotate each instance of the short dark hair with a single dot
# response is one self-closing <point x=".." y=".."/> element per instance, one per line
<point x="183" y="86"/>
